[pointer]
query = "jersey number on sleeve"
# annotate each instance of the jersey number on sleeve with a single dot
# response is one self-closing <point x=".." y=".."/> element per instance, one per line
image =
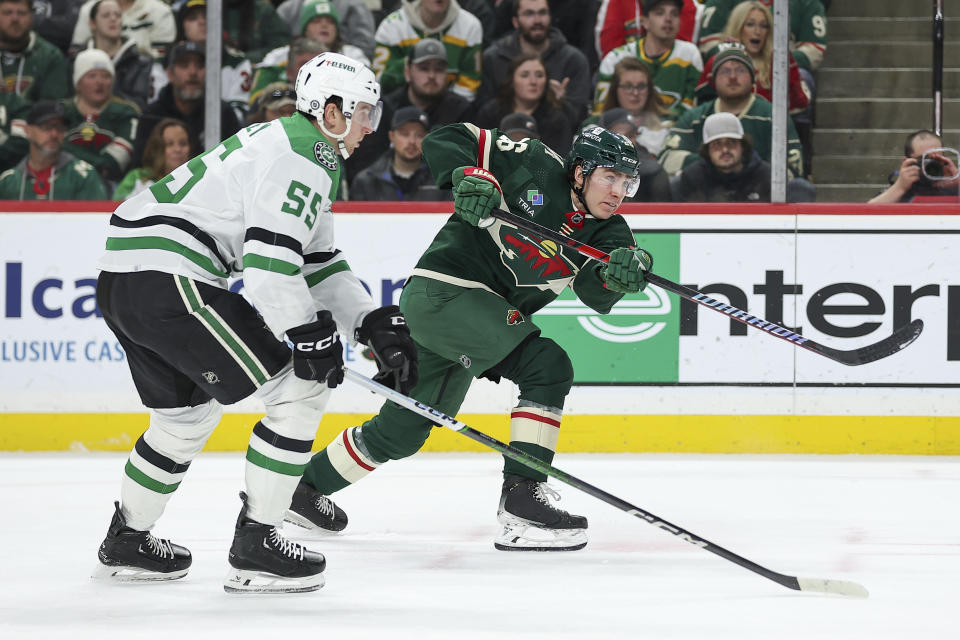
<point x="197" y="167"/>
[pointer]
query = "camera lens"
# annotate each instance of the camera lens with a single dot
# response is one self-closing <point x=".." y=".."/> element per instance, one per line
<point x="933" y="168"/>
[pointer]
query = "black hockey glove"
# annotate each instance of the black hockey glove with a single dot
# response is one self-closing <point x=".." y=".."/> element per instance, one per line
<point x="385" y="331"/>
<point x="317" y="351"/>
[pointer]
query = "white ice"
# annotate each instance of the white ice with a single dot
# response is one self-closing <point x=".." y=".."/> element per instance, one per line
<point x="417" y="560"/>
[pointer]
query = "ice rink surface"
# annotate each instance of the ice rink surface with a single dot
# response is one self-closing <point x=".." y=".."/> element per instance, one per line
<point x="417" y="560"/>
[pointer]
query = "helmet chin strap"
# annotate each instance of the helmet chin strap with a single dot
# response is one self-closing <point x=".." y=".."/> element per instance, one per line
<point x="579" y="192"/>
<point x="341" y="148"/>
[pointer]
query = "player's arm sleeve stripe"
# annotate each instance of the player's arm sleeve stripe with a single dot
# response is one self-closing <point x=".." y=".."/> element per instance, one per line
<point x="267" y="263"/>
<point x="321" y="257"/>
<point x="319" y="276"/>
<point x="187" y="227"/>
<point x="273" y="238"/>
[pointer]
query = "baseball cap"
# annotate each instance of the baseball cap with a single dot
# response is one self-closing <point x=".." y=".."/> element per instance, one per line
<point x="519" y="123"/>
<point x="732" y="51"/>
<point x="45" y="110"/>
<point x="311" y="10"/>
<point x="90" y="59"/>
<point x="722" y="125"/>
<point x="190" y="4"/>
<point x="409" y="114"/>
<point x="184" y="48"/>
<point x="427" y="49"/>
<point x="276" y="95"/>
<point x="648" y="5"/>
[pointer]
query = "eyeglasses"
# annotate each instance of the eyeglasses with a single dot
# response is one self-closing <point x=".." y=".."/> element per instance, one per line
<point x="634" y="88"/>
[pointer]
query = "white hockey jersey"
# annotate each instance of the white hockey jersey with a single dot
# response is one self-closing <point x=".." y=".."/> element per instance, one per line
<point x="256" y="205"/>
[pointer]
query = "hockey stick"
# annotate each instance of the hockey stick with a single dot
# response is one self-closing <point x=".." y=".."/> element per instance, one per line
<point x="839" y="587"/>
<point x="893" y="343"/>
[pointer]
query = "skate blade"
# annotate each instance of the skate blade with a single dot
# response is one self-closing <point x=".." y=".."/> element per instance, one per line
<point x="522" y="535"/>
<point x="241" y="581"/>
<point x="134" y="574"/>
<point x="302" y="523"/>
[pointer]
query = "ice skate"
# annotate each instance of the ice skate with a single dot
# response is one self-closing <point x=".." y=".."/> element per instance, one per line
<point x="128" y="555"/>
<point x="314" y="511"/>
<point x="263" y="561"/>
<point x="531" y="523"/>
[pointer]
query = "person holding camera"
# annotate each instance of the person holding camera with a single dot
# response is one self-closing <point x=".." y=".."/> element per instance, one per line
<point x="924" y="158"/>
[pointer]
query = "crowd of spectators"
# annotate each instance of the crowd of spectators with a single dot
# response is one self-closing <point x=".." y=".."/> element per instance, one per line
<point x="112" y="91"/>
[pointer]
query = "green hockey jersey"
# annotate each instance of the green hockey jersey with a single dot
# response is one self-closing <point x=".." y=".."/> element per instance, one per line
<point x="69" y="179"/>
<point x="460" y="33"/>
<point x="686" y="136"/>
<point x="808" y="29"/>
<point x="103" y="139"/>
<point x="675" y="73"/>
<point x="527" y="271"/>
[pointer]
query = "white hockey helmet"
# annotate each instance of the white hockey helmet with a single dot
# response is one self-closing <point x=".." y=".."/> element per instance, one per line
<point x="332" y="74"/>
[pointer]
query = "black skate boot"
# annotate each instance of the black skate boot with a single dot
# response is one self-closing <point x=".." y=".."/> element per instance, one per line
<point x="128" y="555"/>
<point x="312" y="510"/>
<point x="531" y="523"/>
<point x="263" y="561"/>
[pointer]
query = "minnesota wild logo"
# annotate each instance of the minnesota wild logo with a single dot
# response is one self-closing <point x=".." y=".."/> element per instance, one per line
<point x="534" y="262"/>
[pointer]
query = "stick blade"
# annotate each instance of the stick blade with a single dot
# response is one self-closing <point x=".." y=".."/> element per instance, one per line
<point x="838" y="587"/>
<point x="890" y="345"/>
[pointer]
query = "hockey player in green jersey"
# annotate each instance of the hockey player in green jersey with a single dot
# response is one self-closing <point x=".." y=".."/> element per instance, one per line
<point x="469" y="303"/>
<point x="257" y="205"/>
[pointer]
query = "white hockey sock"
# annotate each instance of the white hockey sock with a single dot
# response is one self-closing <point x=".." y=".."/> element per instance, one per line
<point x="160" y="459"/>
<point x="536" y="424"/>
<point x="349" y="457"/>
<point x="281" y="442"/>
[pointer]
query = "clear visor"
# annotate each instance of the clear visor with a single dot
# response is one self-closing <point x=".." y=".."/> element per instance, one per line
<point x="618" y="181"/>
<point x="368" y="115"/>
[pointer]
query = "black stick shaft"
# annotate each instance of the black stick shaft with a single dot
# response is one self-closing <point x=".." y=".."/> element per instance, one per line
<point x="535" y="463"/>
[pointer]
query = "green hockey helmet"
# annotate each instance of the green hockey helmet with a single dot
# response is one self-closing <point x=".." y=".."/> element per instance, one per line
<point x="598" y="147"/>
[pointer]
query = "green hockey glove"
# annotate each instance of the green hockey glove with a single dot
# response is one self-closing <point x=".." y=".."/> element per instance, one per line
<point x="475" y="194"/>
<point x="625" y="271"/>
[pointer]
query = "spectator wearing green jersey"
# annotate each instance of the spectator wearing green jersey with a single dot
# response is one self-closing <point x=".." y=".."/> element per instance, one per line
<point x="676" y="64"/>
<point x="100" y="126"/>
<point x="808" y="29"/>
<point x="357" y="22"/>
<point x="460" y="32"/>
<point x="13" y="133"/>
<point x="733" y="77"/>
<point x="282" y="65"/>
<point x="167" y="148"/>
<point x="31" y="67"/>
<point x="48" y="172"/>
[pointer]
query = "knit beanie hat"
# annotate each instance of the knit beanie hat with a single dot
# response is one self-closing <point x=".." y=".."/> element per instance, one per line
<point x="90" y="59"/>
<point x="733" y="51"/>
<point x="311" y="10"/>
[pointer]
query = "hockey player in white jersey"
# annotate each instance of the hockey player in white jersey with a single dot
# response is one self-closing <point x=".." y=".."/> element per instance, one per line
<point x="257" y="205"/>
